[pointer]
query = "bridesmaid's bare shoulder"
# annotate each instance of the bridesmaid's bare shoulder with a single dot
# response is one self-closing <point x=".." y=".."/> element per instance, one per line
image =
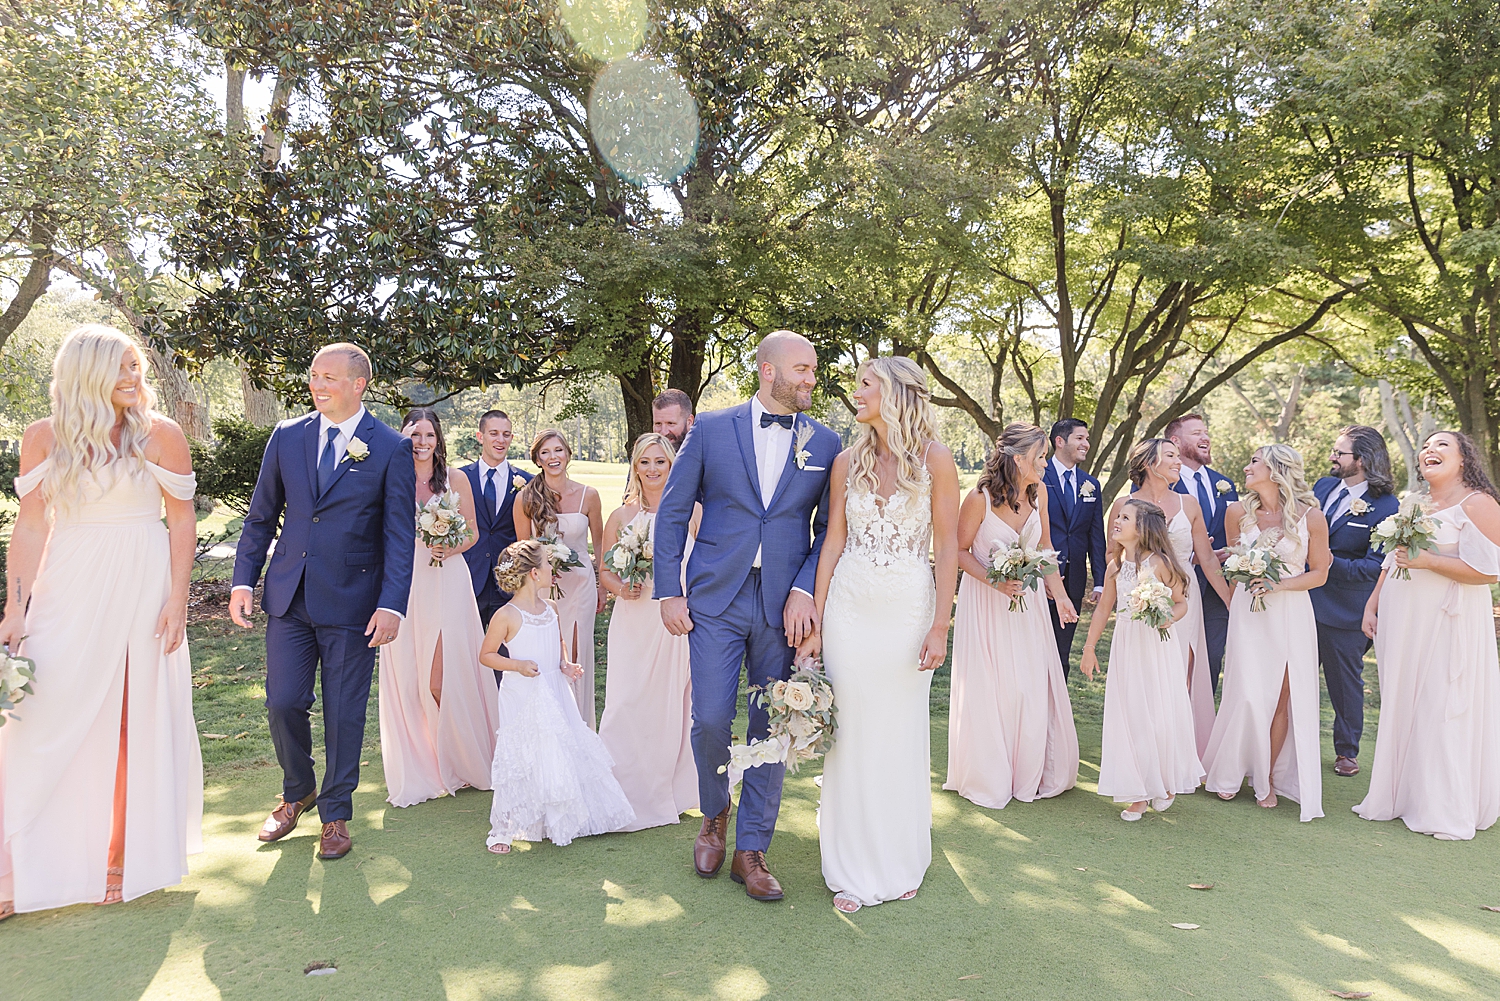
<point x="1484" y="511"/>
<point x="619" y="518"/>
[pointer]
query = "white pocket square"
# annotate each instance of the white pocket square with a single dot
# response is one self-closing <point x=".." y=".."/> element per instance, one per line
<point x="1355" y="524"/>
<point x="815" y="469"/>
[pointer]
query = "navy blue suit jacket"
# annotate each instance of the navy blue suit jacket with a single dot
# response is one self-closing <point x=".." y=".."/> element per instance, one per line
<point x="496" y="529"/>
<point x="352" y="548"/>
<point x="1079" y="540"/>
<point x="1213" y="520"/>
<point x="1340" y="602"/>
<point x="716" y="467"/>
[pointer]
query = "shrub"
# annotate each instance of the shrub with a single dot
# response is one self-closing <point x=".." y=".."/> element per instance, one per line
<point x="227" y="467"/>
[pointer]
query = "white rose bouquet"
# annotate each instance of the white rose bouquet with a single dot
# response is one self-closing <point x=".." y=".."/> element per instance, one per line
<point x="1410" y="527"/>
<point x="631" y="557"/>
<point x="16" y="674"/>
<point x="563" y="560"/>
<point x="1150" y="601"/>
<point x="802" y="723"/>
<point x="441" y="523"/>
<point x="1020" y="562"/>
<point x="1245" y="564"/>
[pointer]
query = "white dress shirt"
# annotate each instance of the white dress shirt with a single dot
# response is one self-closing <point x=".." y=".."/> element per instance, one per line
<point x="1340" y="506"/>
<point x="773" y="445"/>
<point x="1191" y="478"/>
<point x="502" y="476"/>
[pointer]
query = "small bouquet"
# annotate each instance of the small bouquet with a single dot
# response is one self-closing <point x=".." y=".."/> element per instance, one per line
<point x="631" y="556"/>
<point x="563" y="560"/>
<point x="1410" y="527"/>
<point x="440" y="523"/>
<point x="802" y="723"/>
<point x="1020" y="562"/>
<point x="1150" y="601"/>
<point x="1248" y="563"/>
<point x="16" y="674"/>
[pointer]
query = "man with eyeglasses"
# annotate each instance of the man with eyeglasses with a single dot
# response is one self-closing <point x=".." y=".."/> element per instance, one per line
<point x="1356" y="495"/>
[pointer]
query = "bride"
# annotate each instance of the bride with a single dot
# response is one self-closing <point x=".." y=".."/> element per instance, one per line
<point x="885" y="628"/>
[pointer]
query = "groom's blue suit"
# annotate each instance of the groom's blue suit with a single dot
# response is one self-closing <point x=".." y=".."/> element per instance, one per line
<point x="736" y="609"/>
<point x="340" y="555"/>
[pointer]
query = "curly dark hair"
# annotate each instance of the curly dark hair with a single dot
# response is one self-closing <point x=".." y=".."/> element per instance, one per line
<point x="1001" y="477"/>
<point x="439" y="481"/>
<point x="1474" y="476"/>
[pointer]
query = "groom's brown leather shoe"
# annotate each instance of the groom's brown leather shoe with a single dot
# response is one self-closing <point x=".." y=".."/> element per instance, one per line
<point x="708" y="849"/>
<point x="283" y="819"/>
<point x="750" y="868"/>
<point x="1347" y="767"/>
<point x="335" y="841"/>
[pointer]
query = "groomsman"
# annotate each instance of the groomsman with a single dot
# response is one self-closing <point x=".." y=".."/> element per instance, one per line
<point x="1076" y="516"/>
<point x="1214" y="491"/>
<point x="496" y="483"/>
<point x="672" y="415"/>
<point x="1357" y="494"/>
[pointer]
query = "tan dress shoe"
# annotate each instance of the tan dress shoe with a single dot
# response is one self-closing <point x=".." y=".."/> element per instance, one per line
<point x="750" y="868"/>
<point x="335" y="841"/>
<point x="708" y="848"/>
<point x="1347" y="767"/>
<point x="283" y="819"/>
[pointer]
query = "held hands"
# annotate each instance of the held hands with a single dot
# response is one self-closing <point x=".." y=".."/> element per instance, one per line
<point x="800" y="619"/>
<point x="241" y="607"/>
<point x="171" y="624"/>
<point x="674" y="615"/>
<point x="382" y="628"/>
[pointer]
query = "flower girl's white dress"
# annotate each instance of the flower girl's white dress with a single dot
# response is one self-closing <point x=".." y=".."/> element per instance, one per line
<point x="551" y="774"/>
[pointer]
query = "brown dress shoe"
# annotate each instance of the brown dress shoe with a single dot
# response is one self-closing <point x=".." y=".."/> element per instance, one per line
<point x="708" y="848"/>
<point x="283" y="819"/>
<point x="1347" y="767"/>
<point x="750" y="868"/>
<point x="335" y="841"/>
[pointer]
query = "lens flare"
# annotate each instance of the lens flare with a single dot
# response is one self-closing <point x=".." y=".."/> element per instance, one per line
<point x="605" y="29"/>
<point x="643" y="120"/>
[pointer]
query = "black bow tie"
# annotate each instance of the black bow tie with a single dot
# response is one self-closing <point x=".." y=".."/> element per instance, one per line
<point x="785" y="420"/>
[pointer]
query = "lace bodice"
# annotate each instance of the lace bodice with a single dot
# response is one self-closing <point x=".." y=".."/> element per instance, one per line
<point x="1126" y="580"/>
<point x="1294" y="552"/>
<point x="891" y="531"/>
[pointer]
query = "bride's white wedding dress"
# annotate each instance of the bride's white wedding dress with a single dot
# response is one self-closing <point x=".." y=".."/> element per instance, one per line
<point x="875" y="817"/>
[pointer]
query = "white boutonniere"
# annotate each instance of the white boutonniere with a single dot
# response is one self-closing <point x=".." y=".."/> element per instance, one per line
<point x="517" y="481"/>
<point x="357" y="451"/>
<point x="1087" y="490"/>
<point x="1223" y="487"/>
<point x="1359" y="506"/>
<point x="803" y="435"/>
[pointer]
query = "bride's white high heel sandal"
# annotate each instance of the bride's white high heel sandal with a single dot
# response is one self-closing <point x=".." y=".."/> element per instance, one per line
<point x="845" y="904"/>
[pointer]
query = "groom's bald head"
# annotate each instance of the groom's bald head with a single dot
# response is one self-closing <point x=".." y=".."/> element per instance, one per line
<point x="788" y="367"/>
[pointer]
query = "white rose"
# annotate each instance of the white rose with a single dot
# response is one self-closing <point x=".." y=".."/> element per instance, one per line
<point x="1233" y="562"/>
<point x="778" y="691"/>
<point x="357" y="450"/>
<point x="825" y="698"/>
<point x="799" y="726"/>
<point x="10" y="675"/>
<point x="621" y="560"/>
<point x="799" y="695"/>
<point x="648" y="550"/>
<point x="427" y="520"/>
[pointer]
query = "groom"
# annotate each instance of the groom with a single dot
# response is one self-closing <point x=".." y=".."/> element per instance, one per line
<point x="760" y="470"/>
<point x="344" y="488"/>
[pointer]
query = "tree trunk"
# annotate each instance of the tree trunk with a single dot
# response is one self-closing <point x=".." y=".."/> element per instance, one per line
<point x="274" y="132"/>
<point x="637" y="390"/>
<point x="38" y="276"/>
<point x="178" y="397"/>
<point x="1408" y="430"/>
<point x="689" y="351"/>
<point x="262" y="407"/>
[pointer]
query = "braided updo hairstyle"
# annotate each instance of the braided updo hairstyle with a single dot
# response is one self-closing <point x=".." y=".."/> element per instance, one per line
<point x="517" y="560"/>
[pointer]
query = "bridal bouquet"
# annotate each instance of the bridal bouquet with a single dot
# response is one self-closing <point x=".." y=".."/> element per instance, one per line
<point x="15" y="681"/>
<point x="440" y="523"/>
<point x="631" y="556"/>
<point x="802" y="723"/>
<point x="1249" y="563"/>
<point x="1020" y="562"/>
<point x="563" y="560"/>
<point x="1410" y="527"/>
<point x="1150" y="601"/>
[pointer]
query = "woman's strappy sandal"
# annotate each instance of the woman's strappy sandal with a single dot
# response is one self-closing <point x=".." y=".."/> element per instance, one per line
<point x="498" y="849"/>
<point x="114" y="889"/>
<point x="845" y="904"/>
<point x="7" y="909"/>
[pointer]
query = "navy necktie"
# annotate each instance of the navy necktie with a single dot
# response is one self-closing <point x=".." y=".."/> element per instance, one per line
<point x="1203" y="498"/>
<point x="328" y="462"/>
<point x="1337" y="500"/>
<point x="1068" y="496"/>
<point x="767" y="419"/>
<point x="489" y="490"/>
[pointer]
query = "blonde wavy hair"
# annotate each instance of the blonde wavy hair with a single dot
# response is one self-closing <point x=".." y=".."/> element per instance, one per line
<point x="1289" y="475"/>
<point x="84" y="374"/>
<point x="634" y="490"/>
<point x="910" y="424"/>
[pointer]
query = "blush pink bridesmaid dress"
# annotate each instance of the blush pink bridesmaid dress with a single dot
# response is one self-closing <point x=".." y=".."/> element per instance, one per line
<point x="1010" y="729"/>
<point x="576" y="607"/>
<point x="1190" y="634"/>
<point x="1437" y="750"/>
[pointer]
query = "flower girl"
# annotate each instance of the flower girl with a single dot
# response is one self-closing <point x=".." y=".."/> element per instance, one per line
<point x="1149" y="754"/>
<point x="551" y="774"/>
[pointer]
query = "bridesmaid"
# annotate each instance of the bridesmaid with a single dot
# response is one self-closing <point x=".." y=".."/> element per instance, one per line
<point x="648" y="722"/>
<point x="437" y="704"/>
<point x="1437" y="750"/>
<point x="553" y="505"/>
<point x="1011" y="725"/>
<point x="1148" y="755"/>
<point x="1271" y="656"/>
<point x="1155" y="467"/>
<point x="98" y="590"/>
